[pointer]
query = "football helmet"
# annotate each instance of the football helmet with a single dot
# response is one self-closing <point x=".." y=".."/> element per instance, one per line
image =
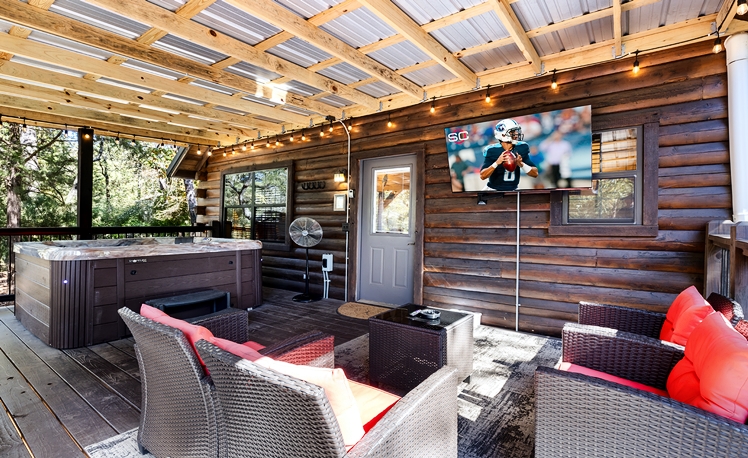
<point x="509" y="127"/>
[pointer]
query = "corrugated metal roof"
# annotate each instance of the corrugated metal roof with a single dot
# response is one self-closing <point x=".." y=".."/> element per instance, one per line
<point x="5" y="26"/>
<point x="475" y="31"/>
<point x="98" y="17"/>
<point x="538" y="13"/>
<point x="297" y="110"/>
<point x="235" y="23"/>
<point x="189" y="49"/>
<point x="132" y="87"/>
<point x="336" y="101"/>
<point x="253" y="72"/>
<point x="152" y="69"/>
<point x="259" y="100"/>
<point x="307" y="8"/>
<point x="299" y="52"/>
<point x="400" y="55"/>
<point x="70" y="45"/>
<point x="430" y="75"/>
<point x="359" y="28"/>
<point x="34" y="83"/>
<point x="170" y="5"/>
<point x="230" y="110"/>
<point x="668" y="12"/>
<point x="180" y="98"/>
<point x="378" y="89"/>
<point x="344" y="72"/>
<point x="423" y="11"/>
<point x="213" y="87"/>
<point x="493" y="58"/>
<point x="300" y="88"/>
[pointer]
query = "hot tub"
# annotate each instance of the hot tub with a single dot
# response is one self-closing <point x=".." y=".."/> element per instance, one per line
<point x="68" y="292"/>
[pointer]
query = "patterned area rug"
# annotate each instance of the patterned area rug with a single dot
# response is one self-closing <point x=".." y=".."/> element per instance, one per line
<point x="360" y="311"/>
<point x="496" y="409"/>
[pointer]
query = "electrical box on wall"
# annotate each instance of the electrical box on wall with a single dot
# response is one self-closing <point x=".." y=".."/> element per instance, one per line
<point x="327" y="262"/>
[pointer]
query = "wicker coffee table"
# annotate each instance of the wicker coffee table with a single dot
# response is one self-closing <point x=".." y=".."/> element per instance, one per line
<point x="405" y="350"/>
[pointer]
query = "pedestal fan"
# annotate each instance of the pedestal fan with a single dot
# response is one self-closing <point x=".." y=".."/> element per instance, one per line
<point x="305" y="232"/>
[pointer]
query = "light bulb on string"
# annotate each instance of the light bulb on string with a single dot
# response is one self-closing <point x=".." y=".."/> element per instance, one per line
<point x="330" y="129"/>
<point x="433" y="109"/>
<point x="162" y="143"/>
<point x="303" y="137"/>
<point x="321" y="131"/>
<point x="636" y="62"/>
<point x="350" y="124"/>
<point x="277" y="143"/>
<point x="389" y="121"/>
<point x="717" y="45"/>
<point x="488" y="95"/>
<point x="209" y="152"/>
<point x="554" y="84"/>
<point x="252" y="146"/>
<point x="267" y="142"/>
<point x="244" y="146"/>
<point x="24" y="124"/>
<point x="742" y="7"/>
<point x="290" y="139"/>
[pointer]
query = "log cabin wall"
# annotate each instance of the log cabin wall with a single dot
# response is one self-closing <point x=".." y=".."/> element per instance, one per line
<point x="469" y="251"/>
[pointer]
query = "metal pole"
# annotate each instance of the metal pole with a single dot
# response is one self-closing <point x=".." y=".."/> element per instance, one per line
<point x="347" y="207"/>
<point x="516" y="276"/>
<point x="737" y="109"/>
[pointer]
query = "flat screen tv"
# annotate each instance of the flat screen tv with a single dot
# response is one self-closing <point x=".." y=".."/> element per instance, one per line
<point x="549" y="150"/>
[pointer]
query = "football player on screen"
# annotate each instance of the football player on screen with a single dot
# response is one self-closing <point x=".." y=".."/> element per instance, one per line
<point x="502" y="160"/>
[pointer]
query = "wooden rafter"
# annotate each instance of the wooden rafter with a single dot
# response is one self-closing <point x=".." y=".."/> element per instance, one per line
<point x="273" y="13"/>
<point x="510" y="21"/>
<point x="142" y="11"/>
<point x="726" y="14"/>
<point x="405" y="26"/>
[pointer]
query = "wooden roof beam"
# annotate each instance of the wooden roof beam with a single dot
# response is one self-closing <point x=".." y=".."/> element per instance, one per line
<point x="392" y="15"/>
<point x="273" y="13"/>
<point x="726" y="13"/>
<point x="617" y="49"/>
<point x="510" y="21"/>
<point x="147" y="13"/>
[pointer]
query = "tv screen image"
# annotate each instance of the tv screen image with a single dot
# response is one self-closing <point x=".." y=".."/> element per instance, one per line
<point x="549" y="150"/>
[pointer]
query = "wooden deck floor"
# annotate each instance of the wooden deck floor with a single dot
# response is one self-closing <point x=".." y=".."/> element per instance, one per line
<point x="56" y="402"/>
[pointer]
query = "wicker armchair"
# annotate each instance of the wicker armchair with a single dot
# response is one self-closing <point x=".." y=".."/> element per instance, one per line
<point x="644" y="322"/>
<point x="179" y="411"/>
<point x="267" y="415"/>
<point x="579" y="415"/>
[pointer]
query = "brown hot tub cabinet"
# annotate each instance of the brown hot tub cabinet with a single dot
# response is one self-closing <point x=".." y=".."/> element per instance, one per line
<point x="68" y="292"/>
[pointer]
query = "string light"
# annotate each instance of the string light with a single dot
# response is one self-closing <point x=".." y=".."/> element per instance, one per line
<point x="303" y="137"/>
<point x="162" y="143"/>
<point x="636" y="62"/>
<point x="116" y="140"/>
<point x="233" y="151"/>
<point x="433" y="109"/>
<point x="488" y="96"/>
<point x="277" y="143"/>
<point x="321" y="131"/>
<point x="554" y="84"/>
<point x="350" y="124"/>
<point x="717" y="44"/>
<point x="389" y="121"/>
<point x="267" y="142"/>
<point x="224" y="153"/>
<point x="244" y="146"/>
<point x="24" y="124"/>
<point x="252" y="146"/>
<point x="210" y="152"/>
<point x="199" y="153"/>
<point x="742" y="7"/>
<point x="330" y="129"/>
<point x="290" y="139"/>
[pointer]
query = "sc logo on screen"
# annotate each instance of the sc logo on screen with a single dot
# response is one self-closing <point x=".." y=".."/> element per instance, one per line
<point x="458" y="137"/>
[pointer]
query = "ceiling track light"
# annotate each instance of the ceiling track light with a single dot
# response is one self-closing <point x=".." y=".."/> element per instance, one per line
<point x="554" y="84"/>
<point x="635" y="69"/>
<point x="742" y="7"/>
<point x="717" y="44"/>
<point x="488" y="95"/>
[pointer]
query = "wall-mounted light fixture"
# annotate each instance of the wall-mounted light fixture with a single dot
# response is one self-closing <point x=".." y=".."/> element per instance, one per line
<point x="340" y="176"/>
<point x="742" y="7"/>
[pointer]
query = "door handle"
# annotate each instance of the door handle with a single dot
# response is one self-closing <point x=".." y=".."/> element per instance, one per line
<point x="412" y="243"/>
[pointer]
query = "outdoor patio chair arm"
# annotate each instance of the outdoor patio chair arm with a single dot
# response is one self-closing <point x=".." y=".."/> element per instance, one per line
<point x="631" y="356"/>
<point x="581" y="415"/>
<point x="230" y="323"/>
<point x="423" y="423"/>
<point x="626" y="319"/>
<point x="313" y="348"/>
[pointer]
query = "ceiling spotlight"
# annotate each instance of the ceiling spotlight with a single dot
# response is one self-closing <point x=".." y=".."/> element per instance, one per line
<point x="636" y="63"/>
<point x="717" y="44"/>
<point x="742" y="7"/>
<point x="488" y="96"/>
<point x="554" y="84"/>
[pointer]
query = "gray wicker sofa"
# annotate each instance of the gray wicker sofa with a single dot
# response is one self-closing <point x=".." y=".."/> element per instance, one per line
<point x="579" y="415"/>
<point x="180" y="415"/>
<point x="266" y="414"/>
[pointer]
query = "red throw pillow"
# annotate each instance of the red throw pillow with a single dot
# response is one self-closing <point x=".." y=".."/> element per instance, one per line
<point x="240" y="350"/>
<point x="192" y="332"/>
<point x="717" y="357"/>
<point x="681" y="319"/>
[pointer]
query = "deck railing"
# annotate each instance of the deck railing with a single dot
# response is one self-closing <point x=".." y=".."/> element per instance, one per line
<point x="9" y="236"/>
<point x="726" y="260"/>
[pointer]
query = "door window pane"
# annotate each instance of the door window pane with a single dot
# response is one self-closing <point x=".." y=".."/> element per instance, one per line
<point x="391" y="201"/>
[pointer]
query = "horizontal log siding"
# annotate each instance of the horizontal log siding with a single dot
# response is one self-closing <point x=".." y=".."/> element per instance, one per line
<point x="469" y="251"/>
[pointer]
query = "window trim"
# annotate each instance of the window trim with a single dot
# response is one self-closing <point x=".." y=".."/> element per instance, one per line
<point x="650" y="163"/>
<point x="285" y="246"/>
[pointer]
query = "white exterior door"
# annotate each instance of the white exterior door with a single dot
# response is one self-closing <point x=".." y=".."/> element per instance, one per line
<point x="387" y="248"/>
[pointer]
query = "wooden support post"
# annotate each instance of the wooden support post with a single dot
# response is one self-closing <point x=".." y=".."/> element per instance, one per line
<point x="85" y="182"/>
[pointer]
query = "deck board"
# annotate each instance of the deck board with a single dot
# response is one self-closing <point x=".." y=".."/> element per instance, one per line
<point x="65" y="400"/>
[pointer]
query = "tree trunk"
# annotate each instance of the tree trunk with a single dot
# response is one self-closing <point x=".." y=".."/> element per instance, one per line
<point x="189" y="186"/>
